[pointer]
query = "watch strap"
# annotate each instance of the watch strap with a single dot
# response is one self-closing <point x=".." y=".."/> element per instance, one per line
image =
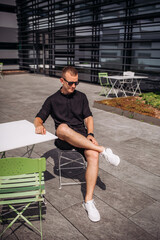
<point x="92" y="134"/>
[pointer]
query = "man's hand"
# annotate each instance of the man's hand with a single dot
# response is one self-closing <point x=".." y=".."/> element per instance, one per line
<point x="40" y="130"/>
<point x="92" y="139"/>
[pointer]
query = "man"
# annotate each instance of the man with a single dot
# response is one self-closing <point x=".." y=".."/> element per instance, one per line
<point x="74" y="126"/>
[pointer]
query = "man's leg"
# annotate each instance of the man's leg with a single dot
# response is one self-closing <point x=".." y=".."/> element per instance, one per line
<point x="92" y="158"/>
<point x="91" y="152"/>
<point x="67" y="134"/>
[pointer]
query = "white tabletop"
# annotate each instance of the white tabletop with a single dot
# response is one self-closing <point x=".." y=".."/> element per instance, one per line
<point x="118" y="77"/>
<point x="19" y="134"/>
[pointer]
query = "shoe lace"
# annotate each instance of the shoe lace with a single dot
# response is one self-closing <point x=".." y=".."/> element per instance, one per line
<point x="93" y="204"/>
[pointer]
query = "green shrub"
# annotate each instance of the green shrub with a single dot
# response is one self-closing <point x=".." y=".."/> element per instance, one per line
<point x="152" y="98"/>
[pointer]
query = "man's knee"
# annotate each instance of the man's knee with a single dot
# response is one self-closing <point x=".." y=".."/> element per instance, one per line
<point x="62" y="130"/>
<point x="92" y="157"/>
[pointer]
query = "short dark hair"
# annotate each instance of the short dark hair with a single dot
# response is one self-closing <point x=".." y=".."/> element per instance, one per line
<point x="69" y="69"/>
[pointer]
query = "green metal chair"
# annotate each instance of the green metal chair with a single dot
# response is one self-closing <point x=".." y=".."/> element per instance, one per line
<point x="1" y="70"/>
<point x="104" y="82"/>
<point x="21" y="183"/>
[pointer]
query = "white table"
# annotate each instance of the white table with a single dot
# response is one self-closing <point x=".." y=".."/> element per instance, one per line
<point x="121" y="80"/>
<point x="19" y="134"/>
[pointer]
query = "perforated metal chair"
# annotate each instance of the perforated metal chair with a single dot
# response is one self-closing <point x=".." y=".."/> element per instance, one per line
<point x="108" y="86"/>
<point x="69" y="160"/>
<point x="21" y="184"/>
<point x="104" y="82"/>
<point x="1" y="70"/>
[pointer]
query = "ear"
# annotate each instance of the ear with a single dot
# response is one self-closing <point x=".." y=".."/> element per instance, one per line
<point x="62" y="80"/>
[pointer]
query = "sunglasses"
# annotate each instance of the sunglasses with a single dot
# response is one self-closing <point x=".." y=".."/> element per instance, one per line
<point x="71" y="83"/>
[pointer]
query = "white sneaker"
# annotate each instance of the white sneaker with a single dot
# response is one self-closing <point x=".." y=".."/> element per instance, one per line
<point x="111" y="157"/>
<point x="92" y="211"/>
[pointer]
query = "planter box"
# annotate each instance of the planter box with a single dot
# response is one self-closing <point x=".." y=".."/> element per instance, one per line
<point x="128" y="114"/>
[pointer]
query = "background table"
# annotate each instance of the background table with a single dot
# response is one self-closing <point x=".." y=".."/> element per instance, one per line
<point x="19" y="134"/>
<point x="121" y="80"/>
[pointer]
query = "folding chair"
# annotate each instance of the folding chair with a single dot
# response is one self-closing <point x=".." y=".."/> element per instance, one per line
<point x="21" y="184"/>
<point x="108" y="86"/>
<point x="128" y="73"/>
<point x="69" y="160"/>
<point x="126" y="84"/>
<point x="104" y="82"/>
<point x="1" y="70"/>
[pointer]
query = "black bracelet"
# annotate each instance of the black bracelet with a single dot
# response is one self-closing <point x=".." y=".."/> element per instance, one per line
<point x="90" y="134"/>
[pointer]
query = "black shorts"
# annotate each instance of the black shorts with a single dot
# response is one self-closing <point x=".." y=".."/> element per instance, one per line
<point x="63" y="145"/>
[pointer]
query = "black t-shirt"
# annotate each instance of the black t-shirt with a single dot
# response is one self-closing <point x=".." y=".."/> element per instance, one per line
<point x="71" y="109"/>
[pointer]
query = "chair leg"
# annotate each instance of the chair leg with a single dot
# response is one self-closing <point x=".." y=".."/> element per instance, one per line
<point x="15" y="219"/>
<point x="20" y="214"/>
<point x="59" y="169"/>
<point x="40" y="216"/>
<point x="103" y="91"/>
<point x="60" y="180"/>
<point x="61" y="166"/>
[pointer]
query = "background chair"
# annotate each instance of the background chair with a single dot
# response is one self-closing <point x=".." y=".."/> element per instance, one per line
<point x="128" y="73"/>
<point x="21" y="184"/>
<point x="104" y="82"/>
<point x="108" y="86"/>
<point x="1" y="70"/>
<point x="126" y="84"/>
<point x="69" y="160"/>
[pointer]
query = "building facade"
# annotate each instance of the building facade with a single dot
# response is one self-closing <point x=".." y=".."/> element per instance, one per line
<point x="8" y="35"/>
<point x="94" y="36"/>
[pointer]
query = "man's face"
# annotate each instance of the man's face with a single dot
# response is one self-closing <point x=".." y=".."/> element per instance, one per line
<point x="69" y="83"/>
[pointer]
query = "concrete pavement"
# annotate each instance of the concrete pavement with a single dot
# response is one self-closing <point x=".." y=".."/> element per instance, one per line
<point x="127" y="196"/>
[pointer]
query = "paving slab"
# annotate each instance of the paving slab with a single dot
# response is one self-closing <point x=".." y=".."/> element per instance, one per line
<point x="121" y="196"/>
<point x="149" y="219"/>
<point x="136" y="177"/>
<point x="113" y="225"/>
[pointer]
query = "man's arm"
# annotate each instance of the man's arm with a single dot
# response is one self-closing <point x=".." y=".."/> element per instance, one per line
<point x="90" y="128"/>
<point x="39" y="128"/>
<point x="89" y="124"/>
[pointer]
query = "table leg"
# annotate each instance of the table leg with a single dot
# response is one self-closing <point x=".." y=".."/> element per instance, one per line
<point x="121" y="88"/>
<point x="3" y="154"/>
<point x="29" y="151"/>
<point x="112" y="88"/>
<point x="137" y="87"/>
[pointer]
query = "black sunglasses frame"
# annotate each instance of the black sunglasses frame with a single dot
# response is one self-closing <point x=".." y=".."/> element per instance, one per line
<point x="71" y="83"/>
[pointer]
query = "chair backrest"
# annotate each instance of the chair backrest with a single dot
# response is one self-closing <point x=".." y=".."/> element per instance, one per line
<point x="103" y="78"/>
<point x="1" y="66"/>
<point x="103" y="75"/>
<point x="21" y="177"/>
<point x="128" y="73"/>
<point x="20" y="165"/>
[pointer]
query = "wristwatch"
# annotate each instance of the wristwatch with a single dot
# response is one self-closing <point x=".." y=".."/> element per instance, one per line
<point x="92" y="134"/>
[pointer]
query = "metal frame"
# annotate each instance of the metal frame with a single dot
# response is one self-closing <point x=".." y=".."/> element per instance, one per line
<point x="79" y="160"/>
